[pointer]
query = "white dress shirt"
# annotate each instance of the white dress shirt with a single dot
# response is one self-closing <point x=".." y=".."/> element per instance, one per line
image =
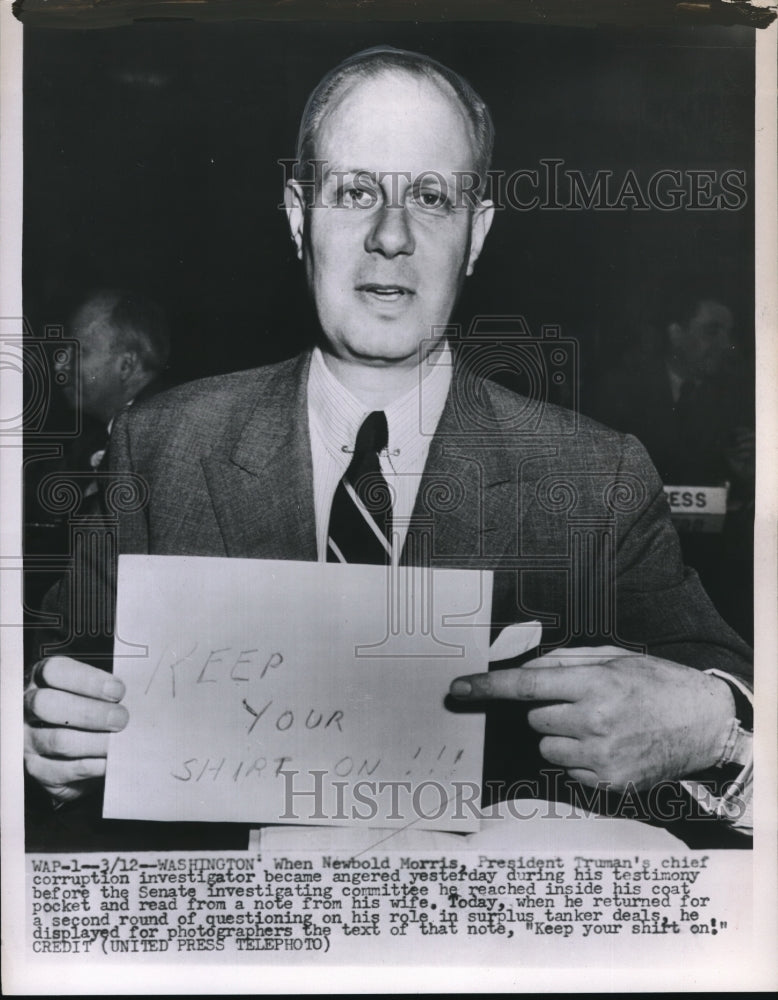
<point x="334" y="417"/>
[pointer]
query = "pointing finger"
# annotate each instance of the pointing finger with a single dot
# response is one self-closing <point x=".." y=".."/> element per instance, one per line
<point x="562" y="683"/>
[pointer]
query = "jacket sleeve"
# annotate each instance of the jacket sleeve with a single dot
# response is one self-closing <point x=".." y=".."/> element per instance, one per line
<point x="660" y="602"/>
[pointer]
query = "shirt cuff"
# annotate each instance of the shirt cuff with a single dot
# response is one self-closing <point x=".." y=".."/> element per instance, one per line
<point x="735" y="805"/>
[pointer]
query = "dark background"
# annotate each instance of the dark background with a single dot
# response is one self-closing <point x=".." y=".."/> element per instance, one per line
<point x="151" y="162"/>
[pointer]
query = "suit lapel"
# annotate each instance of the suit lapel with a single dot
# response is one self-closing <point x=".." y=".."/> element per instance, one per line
<point x="467" y="496"/>
<point x="263" y="492"/>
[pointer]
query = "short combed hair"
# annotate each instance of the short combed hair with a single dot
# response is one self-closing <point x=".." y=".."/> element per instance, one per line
<point x="371" y="63"/>
<point x="138" y="322"/>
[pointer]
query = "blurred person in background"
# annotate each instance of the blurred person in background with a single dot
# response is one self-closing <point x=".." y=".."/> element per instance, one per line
<point x="690" y="401"/>
<point x="117" y="353"/>
<point x="123" y="350"/>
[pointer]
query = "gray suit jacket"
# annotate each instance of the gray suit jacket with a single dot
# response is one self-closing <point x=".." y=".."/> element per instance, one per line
<point x="570" y="515"/>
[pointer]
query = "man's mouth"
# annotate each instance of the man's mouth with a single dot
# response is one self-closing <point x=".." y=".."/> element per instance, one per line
<point x="385" y="292"/>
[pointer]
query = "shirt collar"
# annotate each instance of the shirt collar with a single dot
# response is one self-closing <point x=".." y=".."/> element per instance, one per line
<point x="109" y="428"/>
<point x="412" y="418"/>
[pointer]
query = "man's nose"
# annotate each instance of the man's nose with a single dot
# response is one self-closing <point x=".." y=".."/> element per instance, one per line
<point x="390" y="233"/>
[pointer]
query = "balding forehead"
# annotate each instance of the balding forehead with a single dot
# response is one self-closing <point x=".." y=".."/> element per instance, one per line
<point x="389" y="73"/>
<point x="430" y="78"/>
<point x="98" y="307"/>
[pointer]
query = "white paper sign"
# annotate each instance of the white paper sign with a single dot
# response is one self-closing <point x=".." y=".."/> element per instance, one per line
<point x="698" y="508"/>
<point x="289" y="692"/>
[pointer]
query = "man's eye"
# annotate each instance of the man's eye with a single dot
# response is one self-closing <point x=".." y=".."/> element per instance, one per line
<point x="431" y="199"/>
<point x="354" y="197"/>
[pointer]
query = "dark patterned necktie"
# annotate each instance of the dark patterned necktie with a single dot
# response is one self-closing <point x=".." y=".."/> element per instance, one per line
<point x="361" y="517"/>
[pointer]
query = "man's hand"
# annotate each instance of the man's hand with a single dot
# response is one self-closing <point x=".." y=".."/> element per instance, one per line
<point x="70" y="708"/>
<point x="605" y="714"/>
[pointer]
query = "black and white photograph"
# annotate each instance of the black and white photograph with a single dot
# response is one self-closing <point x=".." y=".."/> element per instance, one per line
<point x="391" y="442"/>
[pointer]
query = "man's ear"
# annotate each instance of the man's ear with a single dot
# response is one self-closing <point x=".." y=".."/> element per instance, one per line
<point x="294" y="202"/>
<point x="480" y="224"/>
<point x="128" y="365"/>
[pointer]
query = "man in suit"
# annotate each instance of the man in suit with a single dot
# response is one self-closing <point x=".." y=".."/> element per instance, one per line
<point x="116" y="355"/>
<point x="690" y="402"/>
<point x="262" y="464"/>
<point x="123" y="347"/>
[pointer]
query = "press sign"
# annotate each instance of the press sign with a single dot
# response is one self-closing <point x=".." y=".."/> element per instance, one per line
<point x="698" y="508"/>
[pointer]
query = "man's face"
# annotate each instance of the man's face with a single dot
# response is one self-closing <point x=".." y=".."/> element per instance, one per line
<point x="705" y="341"/>
<point x="97" y="384"/>
<point x="389" y="245"/>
